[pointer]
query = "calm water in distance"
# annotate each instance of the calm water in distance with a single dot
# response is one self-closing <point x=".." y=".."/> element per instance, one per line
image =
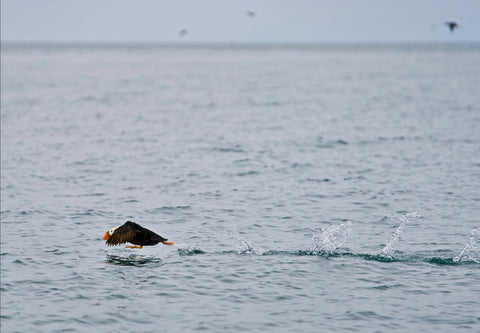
<point x="329" y="188"/>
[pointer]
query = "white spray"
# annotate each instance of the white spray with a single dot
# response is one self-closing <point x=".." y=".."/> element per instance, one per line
<point x="466" y="253"/>
<point x="330" y="238"/>
<point x="387" y="251"/>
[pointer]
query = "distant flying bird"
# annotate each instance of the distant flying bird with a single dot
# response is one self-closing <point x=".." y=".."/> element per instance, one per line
<point x="130" y="232"/>
<point x="452" y="25"/>
<point x="251" y="14"/>
<point x="183" y="32"/>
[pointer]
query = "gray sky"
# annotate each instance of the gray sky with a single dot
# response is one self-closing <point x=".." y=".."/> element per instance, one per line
<point x="227" y="20"/>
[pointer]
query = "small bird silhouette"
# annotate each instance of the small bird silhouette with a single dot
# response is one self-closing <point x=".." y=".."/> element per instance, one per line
<point x="452" y="25"/>
<point x="183" y="32"/>
<point x="251" y="14"/>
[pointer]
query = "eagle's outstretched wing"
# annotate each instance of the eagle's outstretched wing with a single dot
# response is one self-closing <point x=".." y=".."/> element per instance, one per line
<point x="124" y="234"/>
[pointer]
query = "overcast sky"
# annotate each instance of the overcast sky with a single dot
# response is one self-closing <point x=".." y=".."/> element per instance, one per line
<point x="227" y="20"/>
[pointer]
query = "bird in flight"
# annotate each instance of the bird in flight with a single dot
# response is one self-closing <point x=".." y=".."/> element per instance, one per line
<point x="131" y="232"/>
<point x="452" y="25"/>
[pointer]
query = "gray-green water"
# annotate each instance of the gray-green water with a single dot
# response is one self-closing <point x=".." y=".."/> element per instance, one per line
<point x="309" y="189"/>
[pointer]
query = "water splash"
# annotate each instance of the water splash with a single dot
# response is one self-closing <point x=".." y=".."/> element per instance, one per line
<point x="388" y="250"/>
<point x="189" y="251"/>
<point x="329" y="239"/>
<point x="467" y="253"/>
<point x="406" y="259"/>
<point x="244" y="246"/>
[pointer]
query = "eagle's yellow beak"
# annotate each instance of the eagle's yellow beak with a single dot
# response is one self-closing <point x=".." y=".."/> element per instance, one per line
<point x="106" y="236"/>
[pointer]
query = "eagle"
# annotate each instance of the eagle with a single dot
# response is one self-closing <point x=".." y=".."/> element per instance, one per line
<point x="131" y="232"/>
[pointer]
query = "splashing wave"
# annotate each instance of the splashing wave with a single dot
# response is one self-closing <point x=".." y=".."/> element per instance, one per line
<point x="326" y="241"/>
<point x="467" y="253"/>
<point x="388" y="250"/>
<point x="329" y="239"/>
<point x="244" y="246"/>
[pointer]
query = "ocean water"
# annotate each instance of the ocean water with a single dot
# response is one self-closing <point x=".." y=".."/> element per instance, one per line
<point x="327" y="188"/>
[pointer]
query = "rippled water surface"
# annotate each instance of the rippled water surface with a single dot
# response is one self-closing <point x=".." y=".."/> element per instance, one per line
<point x="307" y="189"/>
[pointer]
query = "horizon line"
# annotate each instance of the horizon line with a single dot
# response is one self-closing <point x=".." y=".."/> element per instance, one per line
<point x="229" y="43"/>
